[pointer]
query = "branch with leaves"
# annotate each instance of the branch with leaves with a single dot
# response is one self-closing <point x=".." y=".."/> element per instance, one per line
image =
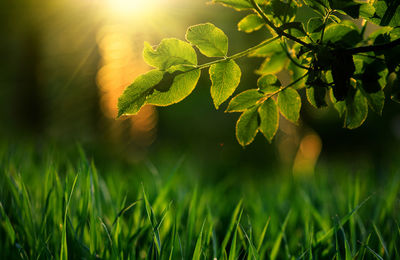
<point x="328" y="57"/>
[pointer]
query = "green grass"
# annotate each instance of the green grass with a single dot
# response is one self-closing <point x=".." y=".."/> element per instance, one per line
<point x="55" y="206"/>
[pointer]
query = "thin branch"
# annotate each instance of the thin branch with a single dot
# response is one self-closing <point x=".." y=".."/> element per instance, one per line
<point x="285" y="49"/>
<point x="280" y="32"/>
<point x="239" y="54"/>
<point x="378" y="47"/>
<point x="282" y="88"/>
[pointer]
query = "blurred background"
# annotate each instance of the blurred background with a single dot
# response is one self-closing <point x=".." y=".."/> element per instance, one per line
<point x="64" y="64"/>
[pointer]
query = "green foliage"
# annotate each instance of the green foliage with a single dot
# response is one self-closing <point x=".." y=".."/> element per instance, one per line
<point x="70" y="210"/>
<point x="325" y="53"/>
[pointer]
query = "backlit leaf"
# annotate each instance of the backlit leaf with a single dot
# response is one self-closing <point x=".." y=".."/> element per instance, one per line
<point x="225" y="77"/>
<point x="244" y="100"/>
<point x="289" y="103"/>
<point x="247" y="126"/>
<point x="269" y="119"/>
<point x="169" y="54"/>
<point x="209" y="39"/>
<point x="250" y="23"/>
<point x="268" y="84"/>
<point x="134" y="95"/>
<point x="182" y="85"/>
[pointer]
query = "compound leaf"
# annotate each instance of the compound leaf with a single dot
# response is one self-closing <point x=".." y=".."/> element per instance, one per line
<point x="182" y="85"/>
<point x="269" y="119"/>
<point x="289" y="103"/>
<point x="247" y="126"/>
<point x="170" y="55"/>
<point x="225" y="77"/>
<point x="134" y="96"/>
<point x="209" y="39"/>
<point x="244" y="100"/>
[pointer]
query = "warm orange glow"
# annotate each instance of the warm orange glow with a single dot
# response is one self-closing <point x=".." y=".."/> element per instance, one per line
<point x="307" y="155"/>
<point x="121" y="62"/>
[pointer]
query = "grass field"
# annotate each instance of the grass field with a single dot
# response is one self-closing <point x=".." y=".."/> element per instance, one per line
<point x="60" y="206"/>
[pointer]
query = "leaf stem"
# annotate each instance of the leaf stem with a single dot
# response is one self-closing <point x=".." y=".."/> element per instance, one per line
<point x="239" y="54"/>
<point x="280" y="32"/>
<point x="285" y="49"/>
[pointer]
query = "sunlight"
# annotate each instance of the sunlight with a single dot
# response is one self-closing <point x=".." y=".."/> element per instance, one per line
<point x="132" y="7"/>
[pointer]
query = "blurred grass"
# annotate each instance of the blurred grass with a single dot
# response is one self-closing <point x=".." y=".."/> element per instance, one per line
<point x="58" y="205"/>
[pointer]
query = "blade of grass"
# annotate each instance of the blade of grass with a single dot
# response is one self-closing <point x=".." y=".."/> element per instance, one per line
<point x="277" y="243"/>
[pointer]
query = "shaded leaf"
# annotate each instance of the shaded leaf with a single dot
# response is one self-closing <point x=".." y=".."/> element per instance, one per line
<point x="209" y="39"/>
<point x="269" y="119"/>
<point x="289" y="103"/>
<point x="244" y="100"/>
<point x="356" y="110"/>
<point x="343" y="35"/>
<point x="316" y="96"/>
<point x="225" y="77"/>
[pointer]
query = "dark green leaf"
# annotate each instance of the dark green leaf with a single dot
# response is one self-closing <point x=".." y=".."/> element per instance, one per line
<point x="269" y="119"/>
<point x="225" y="77"/>
<point x="342" y="35"/>
<point x="244" y="100"/>
<point x="316" y="96"/>
<point x="356" y="110"/>
<point x="247" y="126"/>
<point x="209" y="39"/>
<point x="343" y="69"/>
<point x="134" y="96"/>
<point x="289" y="103"/>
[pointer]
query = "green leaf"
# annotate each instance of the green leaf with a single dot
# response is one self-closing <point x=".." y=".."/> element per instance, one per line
<point x="251" y="23"/>
<point x="289" y="103"/>
<point x="318" y="5"/>
<point x="376" y="101"/>
<point x="209" y="39"/>
<point x="134" y="96"/>
<point x="316" y="96"/>
<point x="170" y="55"/>
<point x="182" y="85"/>
<point x="387" y="13"/>
<point x="356" y="111"/>
<point x="225" y="77"/>
<point x="244" y="100"/>
<point x="269" y="119"/>
<point x="268" y="84"/>
<point x="295" y="28"/>
<point x="395" y="91"/>
<point x="340" y="106"/>
<point x="273" y="64"/>
<point x="238" y="4"/>
<point x="247" y="126"/>
<point x="342" y="34"/>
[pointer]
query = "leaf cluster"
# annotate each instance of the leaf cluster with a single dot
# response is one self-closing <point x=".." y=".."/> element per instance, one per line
<point x="328" y="56"/>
